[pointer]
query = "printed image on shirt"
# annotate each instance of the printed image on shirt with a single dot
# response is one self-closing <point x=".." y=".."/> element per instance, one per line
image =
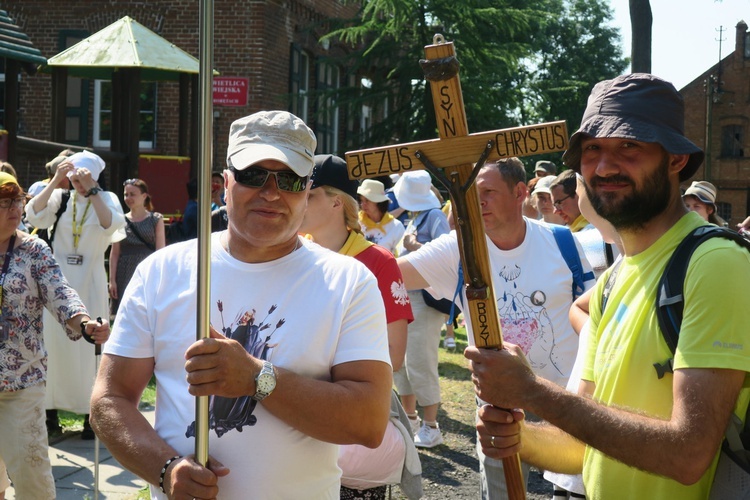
<point x="399" y="293"/>
<point x="226" y="414"/>
<point x="525" y="322"/>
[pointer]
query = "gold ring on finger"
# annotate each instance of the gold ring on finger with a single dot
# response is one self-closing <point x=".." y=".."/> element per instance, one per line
<point x="492" y="441"/>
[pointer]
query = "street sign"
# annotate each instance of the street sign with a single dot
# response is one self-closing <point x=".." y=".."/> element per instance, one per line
<point x="230" y="91"/>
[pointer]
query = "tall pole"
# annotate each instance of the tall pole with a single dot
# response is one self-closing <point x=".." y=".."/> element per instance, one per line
<point x="205" y="145"/>
<point x="709" y="110"/>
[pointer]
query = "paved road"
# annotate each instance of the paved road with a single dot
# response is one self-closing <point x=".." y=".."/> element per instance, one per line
<point x="73" y="468"/>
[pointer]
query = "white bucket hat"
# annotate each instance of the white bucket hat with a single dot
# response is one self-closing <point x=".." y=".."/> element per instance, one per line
<point x="373" y="190"/>
<point x="703" y="190"/>
<point x="413" y="192"/>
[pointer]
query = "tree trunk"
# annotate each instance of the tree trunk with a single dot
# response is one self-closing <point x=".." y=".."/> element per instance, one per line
<point x="640" y="21"/>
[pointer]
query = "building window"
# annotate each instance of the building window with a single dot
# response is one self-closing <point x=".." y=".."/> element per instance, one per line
<point x="77" y="97"/>
<point x="300" y="82"/>
<point x="731" y="141"/>
<point x="103" y="115"/>
<point x="724" y="210"/>
<point x="2" y="92"/>
<point x="327" y="124"/>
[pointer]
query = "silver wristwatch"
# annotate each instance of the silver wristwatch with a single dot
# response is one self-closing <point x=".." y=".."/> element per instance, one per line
<point x="265" y="382"/>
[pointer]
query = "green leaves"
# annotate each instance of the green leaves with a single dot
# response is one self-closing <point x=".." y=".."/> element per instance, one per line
<point x="522" y="61"/>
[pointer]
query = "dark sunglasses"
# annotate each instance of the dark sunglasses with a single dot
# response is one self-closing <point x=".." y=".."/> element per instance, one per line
<point x="256" y="177"/>
<point x="130" y="182"/>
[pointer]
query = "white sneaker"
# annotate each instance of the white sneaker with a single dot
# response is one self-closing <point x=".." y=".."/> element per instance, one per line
<point x="428" y="437"/>
<point x="449" y="343"/>
<point x="415" y="423"/>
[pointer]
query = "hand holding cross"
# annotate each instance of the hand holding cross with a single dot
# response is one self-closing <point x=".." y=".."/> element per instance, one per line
<point x="455" y="151"/>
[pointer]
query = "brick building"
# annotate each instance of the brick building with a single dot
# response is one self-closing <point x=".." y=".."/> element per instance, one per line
<point x="717" y="118"/>
<point x="274" y="44"/>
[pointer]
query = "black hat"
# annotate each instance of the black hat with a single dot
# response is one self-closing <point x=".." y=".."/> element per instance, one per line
<point x="641" y="107"/>
<point x="331" y="171"/>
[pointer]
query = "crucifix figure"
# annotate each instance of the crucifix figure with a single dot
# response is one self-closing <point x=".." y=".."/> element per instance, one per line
<point x="451" y="160"/>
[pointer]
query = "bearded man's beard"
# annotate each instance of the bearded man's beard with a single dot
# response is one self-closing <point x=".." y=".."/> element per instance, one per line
<point x="633" y="211"/>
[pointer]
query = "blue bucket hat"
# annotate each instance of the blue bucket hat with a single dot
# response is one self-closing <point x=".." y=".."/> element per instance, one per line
<point x="641" y="107"/>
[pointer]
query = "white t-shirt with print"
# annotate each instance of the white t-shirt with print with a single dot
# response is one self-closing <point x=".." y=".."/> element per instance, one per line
<point x="390" y="238"/>
<point x="533" y="290"/>
<point x="306" y="312"/>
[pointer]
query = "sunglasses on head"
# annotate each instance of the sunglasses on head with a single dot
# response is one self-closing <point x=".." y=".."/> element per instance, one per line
<point x="256" y="177"/>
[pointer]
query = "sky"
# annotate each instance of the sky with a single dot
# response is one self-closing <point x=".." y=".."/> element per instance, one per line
<point x="685" y="34"/>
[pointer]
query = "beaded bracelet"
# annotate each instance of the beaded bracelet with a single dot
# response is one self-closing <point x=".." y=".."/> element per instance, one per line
<point x="164" y="471"/>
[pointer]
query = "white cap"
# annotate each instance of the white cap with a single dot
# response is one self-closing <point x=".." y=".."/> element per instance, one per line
<point x="272" y="135"/>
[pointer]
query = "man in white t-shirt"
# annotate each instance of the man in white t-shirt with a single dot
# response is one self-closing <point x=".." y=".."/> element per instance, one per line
<point x="531" y="280"/>
<point x="301" y="364"/>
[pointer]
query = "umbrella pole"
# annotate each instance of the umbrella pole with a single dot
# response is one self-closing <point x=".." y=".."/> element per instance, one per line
<point x="205" y="143"/>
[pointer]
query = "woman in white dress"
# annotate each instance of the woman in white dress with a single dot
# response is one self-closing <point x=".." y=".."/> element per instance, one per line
<point x="92" y="220"/>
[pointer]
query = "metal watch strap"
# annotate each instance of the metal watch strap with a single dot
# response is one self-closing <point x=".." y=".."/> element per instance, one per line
<point x="265" y="372"/>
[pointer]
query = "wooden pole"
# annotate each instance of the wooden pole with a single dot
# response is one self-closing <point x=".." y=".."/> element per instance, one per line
<point x="450" y="115"/>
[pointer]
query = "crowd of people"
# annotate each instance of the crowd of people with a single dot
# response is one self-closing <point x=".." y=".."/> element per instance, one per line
<point x="326" y="317"/>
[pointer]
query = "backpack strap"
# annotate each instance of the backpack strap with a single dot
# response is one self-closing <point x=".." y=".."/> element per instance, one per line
<point x="457" y="294"/>
<point x="63" y="206"/>
<point x="137" y="234"/>
<point x="670" y="301"/>
<point x="609" y="254"/>
<point x="567" y="245"/>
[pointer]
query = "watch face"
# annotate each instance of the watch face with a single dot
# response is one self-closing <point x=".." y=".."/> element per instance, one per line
<point x="266" y="383"/>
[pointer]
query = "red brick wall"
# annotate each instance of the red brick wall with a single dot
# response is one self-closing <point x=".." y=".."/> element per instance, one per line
<point x="252" y="39"/>
<point x="731" y="106"/>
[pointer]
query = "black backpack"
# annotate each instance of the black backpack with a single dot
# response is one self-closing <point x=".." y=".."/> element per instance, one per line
<point x="732" y="476"/>
<point x="174" y="232"/>
<point x="670" y="301"/>
<point x="48" y="235"/>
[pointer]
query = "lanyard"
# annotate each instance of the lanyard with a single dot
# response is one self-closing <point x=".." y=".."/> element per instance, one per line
<point x="6" y="264"/>
<point x="78" y="230"/>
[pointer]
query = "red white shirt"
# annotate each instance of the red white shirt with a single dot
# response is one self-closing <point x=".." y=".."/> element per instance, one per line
<point x="383" y="265"/>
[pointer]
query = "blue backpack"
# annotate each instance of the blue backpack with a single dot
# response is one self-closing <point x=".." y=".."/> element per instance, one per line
<point x="567" y="246"/>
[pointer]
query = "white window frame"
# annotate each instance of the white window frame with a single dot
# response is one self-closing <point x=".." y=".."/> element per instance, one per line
<point x="98" y="142"/>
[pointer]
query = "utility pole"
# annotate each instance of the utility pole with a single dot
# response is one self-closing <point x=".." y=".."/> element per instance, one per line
<point x="713" y="88"/>
<point x="718" y="80"/>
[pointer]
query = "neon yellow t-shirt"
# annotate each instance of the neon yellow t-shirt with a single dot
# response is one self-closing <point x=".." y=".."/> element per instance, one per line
<point x="626" y="342"/>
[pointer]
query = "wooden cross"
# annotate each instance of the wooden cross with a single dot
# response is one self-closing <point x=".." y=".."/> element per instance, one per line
<point x="455" y="152"/>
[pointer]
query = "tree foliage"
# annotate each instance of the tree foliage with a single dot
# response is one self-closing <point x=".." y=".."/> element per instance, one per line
<point x="576" y="51"/>
<point x="521" y="61"/>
